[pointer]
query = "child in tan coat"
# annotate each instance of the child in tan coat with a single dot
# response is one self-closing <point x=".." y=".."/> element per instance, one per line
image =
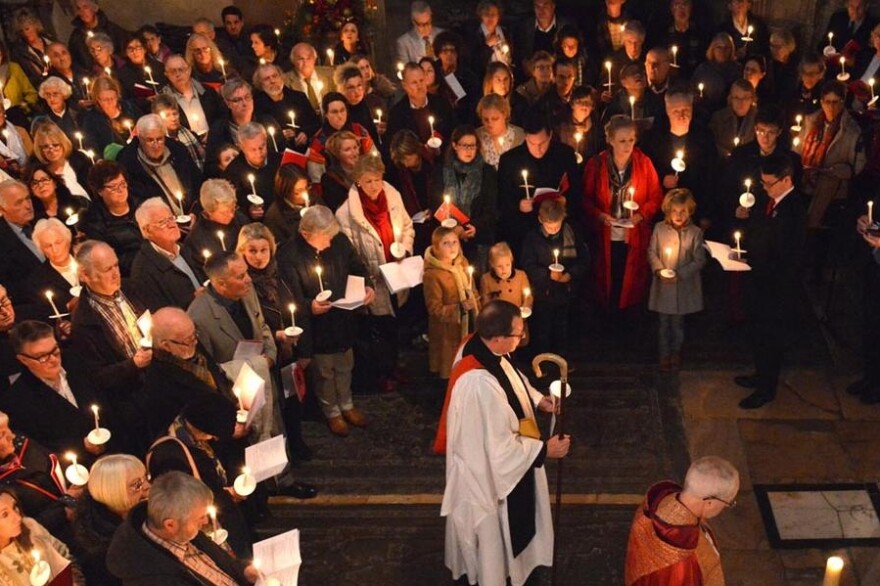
<point x="505" y="282"/>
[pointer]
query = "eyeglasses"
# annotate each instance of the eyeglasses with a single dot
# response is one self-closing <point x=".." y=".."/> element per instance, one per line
<point x="43" y="181"/>
<point x="157" y="140"/>
<point x="201" y="49"/>
<point x="240" y="99"/>
<point x="44" y="358"/>
<point x="117" y="188"/>
<point x="50" y="146"/>
<point x="164" y="222"/>
<point x="768" y="184"/>
<point x="134" y="48"/>
<point x="190" y="341"/>
<point x="467" y="147"/>
<point x="729" y="504"/>
<point x="832" y="102"/>
<point x="518" y="336"/>
<point x="175" y="70"/>
<point x="139" y="484"/>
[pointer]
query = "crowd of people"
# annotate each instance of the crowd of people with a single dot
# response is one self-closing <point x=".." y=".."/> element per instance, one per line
<point x="175" y="218"/>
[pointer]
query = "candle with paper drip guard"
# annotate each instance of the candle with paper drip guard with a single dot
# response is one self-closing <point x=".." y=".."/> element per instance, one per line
<point x="245" y="483"/>
<point x="76" y="474"/>
<point x="217" y="534"/>
<point x="843" y="75"/>
<point x="331" y="56"/>
<point x="797" y="123"/>
<point x="222" y="67"/>
<point x="667" y="272"/>
<point x="747" y="199"/>
<point x="79" y="137"/>
<point x="252" y="196"/>
<point x="400" y="70"/>
<point x="182" y="217"/>
<point x="610" y="84"/>
<point x="222" y="237"/>
<point x="748" y="37"/>
<point x="292" y="331"/>
<point x="100" y="435"/>
<point x="434" y="142"/>
<point x="72" y="217"/>
<point x="632" y="107"/>
<point x="674" y="49"/>
<point x="397" y="249"/>
<point x="292" y="115"/>
<point x="324" y="294"/>
<point x="470" y="272"/>
<point x="833" y="570"/>
<point x="631" y="204"/>
<point x="50" y="297"/>
<point x="678" y="164"/>
<point x="556" y="267"/>
<point x="41" y="573"/>
<point x="448" y="221"/>
<point x="525" y="184"/>
<point x="829" y="49"/>
<point x="737" y="251"/>
<point x="578" y="137"/>
<point x="271" y="131"/>
<point x="700" y="87"/>
<point x="525" y="311"/>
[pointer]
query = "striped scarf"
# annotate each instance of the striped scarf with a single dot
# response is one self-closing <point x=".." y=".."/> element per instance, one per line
<point x="119" y="315"/>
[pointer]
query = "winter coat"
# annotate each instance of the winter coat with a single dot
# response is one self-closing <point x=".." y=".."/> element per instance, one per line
<point x="688" y="257"/>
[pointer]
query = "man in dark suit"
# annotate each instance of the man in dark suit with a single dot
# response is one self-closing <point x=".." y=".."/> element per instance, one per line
<point x="538" y="32"/>
<point x="162" y="272"/>
<point x="413" y="110"/>
<point x="20" y="255"/>
<point x="46" y="403"/>
<point x="774" y="237"/>
<point x="850" y="24"/>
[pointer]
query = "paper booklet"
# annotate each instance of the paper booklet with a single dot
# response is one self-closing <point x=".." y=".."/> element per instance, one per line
<point x="355" y="293"/>
<point x="421" y="217"/>
<point x="267" y="458"/>
<point x="403" y="275"/>
<point x="252" y="390"/>
<point x="455" y="86"/>
<point x="280" y="557"/>
<point x="247" y="349"/>
<point x="721" y="253"/>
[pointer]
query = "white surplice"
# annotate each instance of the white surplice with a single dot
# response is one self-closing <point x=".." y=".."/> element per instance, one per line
<point x="485" y="459"/>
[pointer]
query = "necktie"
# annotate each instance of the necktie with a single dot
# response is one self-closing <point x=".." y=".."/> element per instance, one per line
<point x="27" y="230"/>
<point x="313" y="97"/>
<point x="429" y="48"/>
<point x="771" y="205"/>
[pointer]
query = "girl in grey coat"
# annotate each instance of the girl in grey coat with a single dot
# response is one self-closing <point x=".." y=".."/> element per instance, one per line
<point x="676" y="255"/>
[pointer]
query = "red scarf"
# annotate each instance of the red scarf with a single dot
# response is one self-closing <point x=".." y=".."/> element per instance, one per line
<point x="376" y="213"/>
<point x="818" y="140"/>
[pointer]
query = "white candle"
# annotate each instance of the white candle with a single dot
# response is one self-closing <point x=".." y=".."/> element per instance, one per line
<point x="222" y="238"/>
<point x="470" y="271"/>
<point x="749" y="32"/>
<point x="222" y="68"/>
<point x="608" y="67"/>
<point x="149" y="71"/>
<point x="330" y="56"/>
<point x="86" y="86"/>
<point x="108" y="71"/>
<point x="292" y="309"/>
<point x="400" y="70"/>
<point x="397" y="234"/>
<point x="447" y="202"/>
<point x="674" y="55"/>
<point x="871" y="85"/>
<point x="701" y="86"/>
<point x="833" y="570"/>
<point x="46" y="61"/>
<point x="679" y="155"/>
<point x="556" y="256"/>
<point x="79" y="137"/>
<point x="735" y="141"/>
<point x="578" y="136"/>
<point x="870" y="212"/>
<point x="71" y="457"/>
<point x="830" y="36"/>
<point x="206" y="253"/>
<point x="738" y="237"/>
<point x="526" y="293"/>
<point x="320" y="271"/>
<point x="668" y="252"/>
<point x="525" y="176"/>
<point x="50" y="296"/>
<point x="632" y="107"/>
<point x="278" y="34"/>
<point x="212" y="512"/>
<point x="179" y="195"/>
<point x="292" y="116"/>
<point x="843" y="65"/>
<point x="431" y="122"/>
<point x="271" y="131"/>
<point x="251" y="178"/>
<point x="97" y="419"/>
<point x="128" y="126"/>
<point x="305" y="198"/>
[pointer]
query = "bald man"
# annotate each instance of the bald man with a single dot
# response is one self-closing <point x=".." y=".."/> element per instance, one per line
<point x="670" y="542"/>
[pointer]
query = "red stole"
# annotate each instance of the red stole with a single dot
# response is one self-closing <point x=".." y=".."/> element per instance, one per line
<point x="466" y="364"/>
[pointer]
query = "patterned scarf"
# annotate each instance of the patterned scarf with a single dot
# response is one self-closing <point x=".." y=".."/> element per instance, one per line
<point x="119" y="316"/>
<point x="817" y="141"/>
<point x="463" y="181"/>
<point x="619" y="182"/>
<point x="458" y="269"/>
<point x="165" y="175"/>
<point x="376" y="213"/>
<point x="196" y="366"/>
<point x="178" y="429"/>
<point x="266" y="283"/>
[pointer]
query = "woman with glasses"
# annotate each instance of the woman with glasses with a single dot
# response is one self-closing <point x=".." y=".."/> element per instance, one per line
<point x="55" y="93"/>
<point x="53" y="149"/>
<point x="335" y="108"/>
<point x="110" y="218"/>
<point x="59" y="273"/>
<point x="207" y="63"/>
<point x="112" y="118"/>
<point x="472" y="186"/>
<point x="582" y="131"/>
<point x="104" y="61"/>
<point x="220" y="216"/>
<point x="138" y="85"/>
<point x="52" y="199"/>
<point x="116" y="484"/>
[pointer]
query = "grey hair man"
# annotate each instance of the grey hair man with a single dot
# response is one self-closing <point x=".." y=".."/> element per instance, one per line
<point x="20" y="255"/>
<point x="418" y="41"/>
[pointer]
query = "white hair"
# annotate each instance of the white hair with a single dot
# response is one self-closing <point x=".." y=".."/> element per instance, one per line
<point x="250" y="131"/>
<point x="57" y="84"/>
<point x="149" y="122"/>
<point x="47" y="225"/>
<point x="144" y="214"/>
<point x="214" y="193"/>
<point x="711" y="476"/>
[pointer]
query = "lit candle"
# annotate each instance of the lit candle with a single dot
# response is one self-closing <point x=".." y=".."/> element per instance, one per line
<point x="251" y="178"/>
<point x="842" y="66"/>
<point x="278" y="35"/>
<point x="608" y="67"/>
<point x="305" y="198"/>
<point x="397" y="234"/>
<point x="292" y="116"/>
<point x="86" y="86"/>
<point x="431" y="122"/>
<point x="378" y="115"/>
<point x="50" y="296"/>
<point x="447" y="202"/>
<point x="749" y="32"/>
<point x="108" y="71"/>
<point x="128" y="126"/>
<point x="871" y="85"/>
<point x="79" y="137"/>
<point x="525" y="176"/>
<point x="675" y="55"/>
<point x="556" y="256"/>
<point x="870" y="212"/>
<point x="292" y="309"/>
<point x="206" y="253"/>
<point x="470" y="271"/>
<point x="320" y="271"/>
<point x="735" y="141"/>
<point x="222" y="67"/>
<point x="578" y="136"/>
<point x="526" y="293"/>
<point x="46" y="61"/>
<point x="830" y="37"/>
<point x="97" y="419"/>
<point x="748" y="184"/>
<point x="701" y="86"/>
<point x="149" y="71"/>
<point x="679" y="157"/>
<point x="271" y="131"/>
<point x="400" y="70"/>
<point x="222" y="238"/>
<point x="71" y="457"/>
<point x="212" y="512"/>
<point x="738" y="237"/>
<point x="833" y="570"/>
<point x="668" y="252"/>
<point x="330" y="56"/>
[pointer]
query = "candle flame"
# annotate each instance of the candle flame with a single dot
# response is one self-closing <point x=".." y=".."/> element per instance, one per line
<point x="431" y="119"/>
<point x="49" y="294"/>
<point x="318" y="269"/>
<point x="251" y="177"/>
<point x="206" y="253"/>
<point x="527" y="292"/>
<point x="212" y="511"/>
<point x="271" y="130"/>
<point x="842" y="60"/>
<point x="747" y="183"/>
<point x="78" y="135"/>
<point x="447" y="199"/>
<point x="608" y="65"/>
<point x="679" y="154"/>
<point x="70" y="457"/>
<point x="291" y="308"/>
<point x="835" y="563"/>
<point x="737" y="234"/>
<point x="95" y="409"/>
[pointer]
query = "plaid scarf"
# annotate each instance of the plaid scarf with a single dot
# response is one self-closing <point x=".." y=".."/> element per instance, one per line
<point x="119" y="315"/>
<point x="196" y="366"/>
<point x="196" y="152"/>
<point x="619" y="182"/>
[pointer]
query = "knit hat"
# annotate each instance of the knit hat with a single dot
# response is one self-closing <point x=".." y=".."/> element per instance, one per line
<point x="212" y="414"/>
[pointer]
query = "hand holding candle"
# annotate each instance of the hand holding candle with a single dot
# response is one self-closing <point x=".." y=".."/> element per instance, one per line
<point x="843" y="75"/>
<point x="222" y="237"/>
<point x="608" y="67"/>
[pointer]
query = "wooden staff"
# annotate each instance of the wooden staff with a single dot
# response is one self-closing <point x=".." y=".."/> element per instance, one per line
<point x="560" y="362"/>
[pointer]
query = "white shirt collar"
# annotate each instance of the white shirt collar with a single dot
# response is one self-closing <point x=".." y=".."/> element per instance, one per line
<point x="549" y="28"/>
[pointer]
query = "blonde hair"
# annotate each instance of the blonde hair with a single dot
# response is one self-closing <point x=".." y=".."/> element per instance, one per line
<point x="108" y="480"/>
<point x="49" y="131"/>
<point x="679" y="197"/>
<point x="500" y="250"/>
<point x="439" y="233"/>
<point x="254" y="231"/>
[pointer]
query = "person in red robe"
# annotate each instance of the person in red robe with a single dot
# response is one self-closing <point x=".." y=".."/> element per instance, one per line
<point x="670" y="542"/>
<point x="614" y="180"/>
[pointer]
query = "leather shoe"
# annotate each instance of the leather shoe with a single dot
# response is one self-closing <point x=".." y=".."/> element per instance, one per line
<point x="746" y="381"/>
<point x="338" y="426"/>
<point x="299" y="490"/>
<point x="859" y="387"/>
<point x="355" y="417"/>
<point x="755" y="400"/>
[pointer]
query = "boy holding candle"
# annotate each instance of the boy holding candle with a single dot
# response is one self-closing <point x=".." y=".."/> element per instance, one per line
<point x="676" y="255"/>
<point x="552" y="243"/>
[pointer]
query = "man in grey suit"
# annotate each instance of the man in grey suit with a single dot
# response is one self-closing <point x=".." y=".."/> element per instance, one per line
<point x="417" y="42"/>
<point x="305" y="77"/>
